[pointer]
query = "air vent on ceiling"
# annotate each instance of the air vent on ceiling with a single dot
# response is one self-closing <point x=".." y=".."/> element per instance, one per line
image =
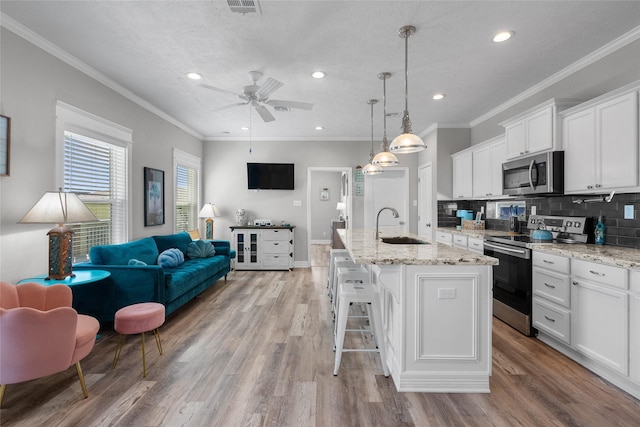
<point x="244" y="6"/>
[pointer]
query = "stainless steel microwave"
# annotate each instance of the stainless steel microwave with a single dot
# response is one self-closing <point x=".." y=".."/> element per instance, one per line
<point x="539" y="174"/>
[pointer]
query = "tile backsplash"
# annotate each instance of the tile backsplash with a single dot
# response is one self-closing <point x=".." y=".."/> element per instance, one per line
<point x="618" y="231"/>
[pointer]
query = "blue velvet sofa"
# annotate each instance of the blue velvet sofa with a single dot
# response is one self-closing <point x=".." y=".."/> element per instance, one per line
<point x="147" y="281"/>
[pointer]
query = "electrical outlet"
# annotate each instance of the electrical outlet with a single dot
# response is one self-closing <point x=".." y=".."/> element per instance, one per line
<point x="533" y="210"/>
<point x="446" y="293"/>
<point x="628" y="211"/>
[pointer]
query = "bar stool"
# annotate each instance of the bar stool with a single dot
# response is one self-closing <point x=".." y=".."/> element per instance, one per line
<point x="335" y="254"/>
<point x="356" y="275"/>
<point x="349" y="293"/>
<point x="347" y="271"/>
<point x="340" y="261"/>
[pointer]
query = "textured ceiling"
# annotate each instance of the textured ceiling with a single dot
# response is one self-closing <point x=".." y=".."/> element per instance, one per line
<point x="148" y="46"/>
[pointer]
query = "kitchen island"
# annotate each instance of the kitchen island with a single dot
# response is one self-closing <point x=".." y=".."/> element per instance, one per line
<point x="437" y="312"/>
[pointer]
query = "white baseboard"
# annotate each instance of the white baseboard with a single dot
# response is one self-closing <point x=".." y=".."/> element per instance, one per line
<point x="321" y="242"/>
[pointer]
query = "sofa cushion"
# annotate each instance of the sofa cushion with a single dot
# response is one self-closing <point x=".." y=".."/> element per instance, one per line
<point x="168" y="241"/>
<point x="192" y="272"/>
<point x="172" y="257"/>
<point x="144" y="250"/>
<point x="200" y="249"/>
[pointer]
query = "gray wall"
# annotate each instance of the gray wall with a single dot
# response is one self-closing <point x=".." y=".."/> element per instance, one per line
<point x="31" y="82"/>
<point x="323" y="211"/>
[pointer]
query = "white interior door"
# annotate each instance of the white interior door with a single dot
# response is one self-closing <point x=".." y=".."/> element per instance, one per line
<point x="388" y="189"/>
<point x="426" y="210"/>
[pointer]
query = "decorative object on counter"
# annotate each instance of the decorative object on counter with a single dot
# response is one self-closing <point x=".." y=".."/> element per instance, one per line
<point x="384" y="157"/>
<point x="59" y="207"/>
<point x="324" y="194"/>
<point x="370" y="168"/>
<point x="153" y="197"/>
<point x="602" y="198"/>
<point x="541" y="235"/>
<point x="514" y="223"/>
<point x="241" y="217"/>
<point x="599" y="232"/>
<point x="208" y="211"/>
<point x="407" y="142"/>
<point x="472" y="225"/>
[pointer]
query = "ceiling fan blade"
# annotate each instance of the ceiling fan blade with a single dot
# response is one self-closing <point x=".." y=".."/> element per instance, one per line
<point x="269" y="86"/>
<point x="264" y="113"/>
<point x="217" y="89"/>
<point x="226" y="107"/>
<point x="290" y="104"/>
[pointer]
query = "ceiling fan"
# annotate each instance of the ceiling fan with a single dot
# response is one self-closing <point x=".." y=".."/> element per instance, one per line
<point x="258" y="96"/>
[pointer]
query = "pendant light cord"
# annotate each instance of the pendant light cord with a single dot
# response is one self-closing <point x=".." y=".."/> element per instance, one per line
<point x="371" y="153"/>
<point x="385" y="143"/>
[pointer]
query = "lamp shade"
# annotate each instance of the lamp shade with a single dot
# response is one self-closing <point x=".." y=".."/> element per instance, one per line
<point x="370" y="169"/>
<point x="385" y="158"/>
<point x="407" y="143"/>
<point x="341" y="206"/>
<point x="209" y="210"/>
<point x="56" y="207"/>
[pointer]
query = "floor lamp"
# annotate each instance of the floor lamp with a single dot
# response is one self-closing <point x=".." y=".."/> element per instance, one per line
<point x="61" y="208"/>
<point x="209" y="212"/>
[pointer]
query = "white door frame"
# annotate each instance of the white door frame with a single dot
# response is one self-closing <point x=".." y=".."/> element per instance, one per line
<point x="348" y="213"/>
<point x="434" y="204"/>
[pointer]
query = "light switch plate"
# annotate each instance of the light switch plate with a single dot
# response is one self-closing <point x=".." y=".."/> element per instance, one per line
<point x="533" y="210"/>
<point x="628" y="211"/>
<point x="297" y="203"/>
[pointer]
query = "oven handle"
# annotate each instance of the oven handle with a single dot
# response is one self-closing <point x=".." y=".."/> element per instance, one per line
<point x="522" y="253"/>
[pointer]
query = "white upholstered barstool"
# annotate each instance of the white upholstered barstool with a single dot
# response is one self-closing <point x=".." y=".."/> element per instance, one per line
<point x="349" y="293"/>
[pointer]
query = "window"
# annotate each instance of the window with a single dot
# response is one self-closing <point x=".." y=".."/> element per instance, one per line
<point x="187" y="173"/>
<point x="95" y="155"/>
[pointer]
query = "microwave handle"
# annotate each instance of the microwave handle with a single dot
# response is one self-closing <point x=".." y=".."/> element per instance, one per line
<point x="531" y="184"/>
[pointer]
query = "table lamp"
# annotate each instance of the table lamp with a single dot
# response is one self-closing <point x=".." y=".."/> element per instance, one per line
<point x="208" y="211"/>
<point x="341" y="206"/>
<point x="59" y="207"/>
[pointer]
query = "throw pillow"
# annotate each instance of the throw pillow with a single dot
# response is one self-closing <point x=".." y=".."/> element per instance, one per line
<point x="171" y="257"/>
<point x="200" y="249"/>
<point x="134" y="261"/>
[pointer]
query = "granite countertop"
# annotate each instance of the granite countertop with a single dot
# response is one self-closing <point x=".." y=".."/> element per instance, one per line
<point x="365" y="249"/>
<point x="611" y="255"/>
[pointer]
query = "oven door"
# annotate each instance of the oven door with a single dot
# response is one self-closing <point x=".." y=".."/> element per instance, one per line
<point x="512" y="276"/>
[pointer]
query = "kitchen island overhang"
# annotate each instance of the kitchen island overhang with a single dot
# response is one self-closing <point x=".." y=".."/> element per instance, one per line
<point x="437" y="311"/>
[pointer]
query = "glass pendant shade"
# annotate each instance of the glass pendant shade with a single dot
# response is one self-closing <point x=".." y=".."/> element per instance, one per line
<point x="370" y="169"/>
<point x="407" y="142"/>
<point x="385" y="159"/>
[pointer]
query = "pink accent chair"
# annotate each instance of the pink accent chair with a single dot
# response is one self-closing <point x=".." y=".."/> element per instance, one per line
<point x="40" y="334"/>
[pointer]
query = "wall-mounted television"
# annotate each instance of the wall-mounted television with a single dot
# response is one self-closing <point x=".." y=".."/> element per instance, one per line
<point x="270" y="176"/>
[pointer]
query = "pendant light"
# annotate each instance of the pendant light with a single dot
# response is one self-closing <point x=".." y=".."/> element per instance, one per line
<point x="407" y="142"/>
<point x="384" y="157"/>
<point x="371" y="169"/>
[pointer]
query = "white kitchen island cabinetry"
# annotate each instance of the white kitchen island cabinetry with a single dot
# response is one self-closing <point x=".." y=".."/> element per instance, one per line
<point x="601" y="143"/>
<point x="437" y="315"/>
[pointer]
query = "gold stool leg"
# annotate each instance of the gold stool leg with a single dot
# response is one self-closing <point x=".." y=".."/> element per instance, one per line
<point x="3" y="388"/>
<point x="81" y="378"/>
<point x="117" y="355"/>
<point x="156" y="333"/>
<point x="144" y="360"/>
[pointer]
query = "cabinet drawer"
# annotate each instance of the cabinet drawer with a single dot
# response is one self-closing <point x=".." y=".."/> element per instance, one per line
<point x="276" y="235"/>
<point x="552" y="320"/>
<point x="600" y="273"/>
<point x="552" y="286"/>
<point x="552" y="262"/>
<point x="275" y="247"/>
<point x="272" y="260"/>
<point x="476" y="245"/>
<point x="444" y="237"/>
<point x="460" y="240"/>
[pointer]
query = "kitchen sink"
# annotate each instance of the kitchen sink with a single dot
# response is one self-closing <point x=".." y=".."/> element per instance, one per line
<point x="402" y="240"/>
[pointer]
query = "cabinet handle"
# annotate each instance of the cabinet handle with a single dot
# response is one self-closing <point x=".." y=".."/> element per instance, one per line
<point x="521" y="153"/>
<point x="589" y="187"/>
<point x="549" y="319"/>
<point x="597" y="273"/>
<point x="598" y="185"/>
<point x="574" y="283"/>
<point x="549" y="286"/>
<point x="276" y="244"/>
<point x="547" y="261"/>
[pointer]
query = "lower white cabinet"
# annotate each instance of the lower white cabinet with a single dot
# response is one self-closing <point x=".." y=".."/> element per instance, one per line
<point x="475" y="244"/>
<point x="260" y="248"/>
<point x="444" y="237"/>
<point x="551" y="309"/>
<point x="634" y="327"/>
<point x="460" y="241"/>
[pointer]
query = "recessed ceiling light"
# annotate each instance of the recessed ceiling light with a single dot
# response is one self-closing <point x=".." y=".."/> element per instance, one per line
<point x="503" y="36"/>
<point x="194" y="76"/>
<point x="439" y="96"/>
<point x="319" y="128"/>
<point x="318" y="74"/>
<point x="244" y="128"/>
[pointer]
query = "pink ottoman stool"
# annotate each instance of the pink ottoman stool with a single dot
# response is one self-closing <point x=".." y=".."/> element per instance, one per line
<point x="138" y="319"/>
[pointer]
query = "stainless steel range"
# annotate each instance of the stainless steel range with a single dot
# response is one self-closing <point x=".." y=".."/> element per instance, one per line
<point x="512" y="287"/>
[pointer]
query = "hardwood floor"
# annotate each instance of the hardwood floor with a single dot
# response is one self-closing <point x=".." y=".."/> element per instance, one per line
<point x="257" y="351"/>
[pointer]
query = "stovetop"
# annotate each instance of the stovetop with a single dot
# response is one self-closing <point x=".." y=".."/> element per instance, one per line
<point x="565" y="230"/>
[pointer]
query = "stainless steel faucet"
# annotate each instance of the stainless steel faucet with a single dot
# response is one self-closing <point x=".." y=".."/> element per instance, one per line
<point x="393" y="212"/>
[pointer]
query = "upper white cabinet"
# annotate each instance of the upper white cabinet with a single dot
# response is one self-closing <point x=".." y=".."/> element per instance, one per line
<point x="462" y="175"/>
<point x="536" y="130"/>
<point x="487" y="168"/>
<point x="601" y="143"/>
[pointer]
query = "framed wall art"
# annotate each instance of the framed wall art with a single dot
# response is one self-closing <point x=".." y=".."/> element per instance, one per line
<point x="5" y="145"/>
<point x="153" y="197"/>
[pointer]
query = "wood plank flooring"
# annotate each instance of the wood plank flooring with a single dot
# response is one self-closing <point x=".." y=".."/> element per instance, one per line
<point x="256" y="350"/>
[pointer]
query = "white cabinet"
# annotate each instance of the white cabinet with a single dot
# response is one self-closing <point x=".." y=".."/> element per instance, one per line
<point x="462" y="175"/>
<point x="536" y="130"/>
<point x="263" y="249"/>
<point x="634" y="327"/>
<point x="601" y="144"/>
<point x="444" y="237"/>
<point x="475" y="245"/>
<point x="487" y="168"/>
<point x="551" y="309"/>
<point x="460" y="241"/>
<point x="600" y="314"/>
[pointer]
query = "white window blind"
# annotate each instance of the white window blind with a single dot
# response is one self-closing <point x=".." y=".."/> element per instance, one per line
<point x="97" y="172"/>
<point x="186" y="198"/>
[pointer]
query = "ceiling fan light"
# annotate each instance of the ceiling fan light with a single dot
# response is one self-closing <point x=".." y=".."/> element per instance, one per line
<point x="385" y="159"/>
<point x="370" y="169"/>
<point x="318" y="74"/>
<point x="407" y="143"/>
